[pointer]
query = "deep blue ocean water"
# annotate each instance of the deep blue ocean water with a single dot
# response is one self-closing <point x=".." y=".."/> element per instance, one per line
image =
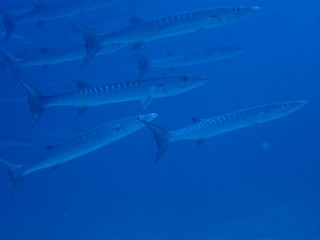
<point x="257" y="183"/>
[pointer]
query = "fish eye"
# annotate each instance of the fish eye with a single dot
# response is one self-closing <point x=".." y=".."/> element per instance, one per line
<point x="284" y="105"/>
<point x="237" y="9"/>
<point x="138" y="118"/>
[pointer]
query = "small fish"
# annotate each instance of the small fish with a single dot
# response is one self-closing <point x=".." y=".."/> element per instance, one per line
<point x="86" y="142"/>
<point x="51" y="56"/>
<point x="143" y="90"/>
<point x="202" y="129"/>
<point x="44" y="12"/>
<point x="141" y="31"/>
<point x="188" y="58"/>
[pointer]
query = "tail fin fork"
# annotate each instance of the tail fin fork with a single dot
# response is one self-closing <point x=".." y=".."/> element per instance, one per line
<point x="35" y="99"/>
<point x="162" y="137"/>
<point x="15" y="173"/>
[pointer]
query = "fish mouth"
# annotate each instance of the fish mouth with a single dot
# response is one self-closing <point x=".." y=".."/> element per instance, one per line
<point x="202" y="79"/>
<point x="148" y="117"/>
<point x="302" y="103"/>
<point x="256" y="8"/>
<point x="249" y="11"/>
<point x="298" y="104"/>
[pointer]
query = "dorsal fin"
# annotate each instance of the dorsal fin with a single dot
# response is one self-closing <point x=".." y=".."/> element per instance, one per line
<point x="56" y="167"/>
<point x="196" y="120"/>
<point x="135" y="20"/>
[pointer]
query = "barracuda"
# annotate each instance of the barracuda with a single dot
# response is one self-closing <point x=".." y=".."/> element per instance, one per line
<point x="205" y="128"/>
<point x="49" y="56"/>
<point x="44" y="12"/>
<point x="142" y="90"/>
<point x="87" y="142"/>
<point x="142" y="31"/>
<point x="188" y="58"/>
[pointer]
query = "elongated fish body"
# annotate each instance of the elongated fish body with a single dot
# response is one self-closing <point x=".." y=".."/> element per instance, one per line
<point x="60" y="9"/>
<point x="44" y="12"/>
<point x="213" y="126"/>
<point x="196" y="57"/>
<point x="188" y="58"/>
<point x="59" y="55"/>
<point x="142" y="90"/>
<point x="205" y="128"/>
<point x="178" y="24"/>
<point x="51" y="56"/>
<point x="165" y="27"/>
<point x="87" y="142"/>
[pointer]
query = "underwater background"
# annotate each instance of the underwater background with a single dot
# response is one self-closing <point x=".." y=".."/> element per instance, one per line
<point x="260" y="182"/>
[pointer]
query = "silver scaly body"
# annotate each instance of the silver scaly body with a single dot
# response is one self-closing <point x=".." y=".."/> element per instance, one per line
<point x="188" y="58"/>
<point x="143" y="90"/>
<point x="174" y="25"/>
<point x="86" y="142"/>
<point x="205" y="128"/>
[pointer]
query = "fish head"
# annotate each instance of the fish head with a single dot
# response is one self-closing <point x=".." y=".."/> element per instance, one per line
<point x="183" y="83"/>
<point x="229" y="15"/>
<point x="282" y="109"/>
<point x="146" y="117"/>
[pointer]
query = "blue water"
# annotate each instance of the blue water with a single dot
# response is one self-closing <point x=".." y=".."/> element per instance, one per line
<point x="258" y="183"/>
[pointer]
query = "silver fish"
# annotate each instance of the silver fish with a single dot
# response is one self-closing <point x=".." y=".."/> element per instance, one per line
<point x="142" y="31"/>
<point x="44" y="12"/>
<point x="49" y="56"/>
<point x="188" y="58"/>
<point x="205" y="128"/>
<point x="142" y="90"/>
<point x="86" y="142"/>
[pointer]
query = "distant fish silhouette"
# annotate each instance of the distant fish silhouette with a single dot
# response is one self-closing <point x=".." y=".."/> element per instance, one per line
<point x="45" y="57"/>
<point x="202" y="129"/>
<point x="44" y="12"/>
<point x="187" y="58"/>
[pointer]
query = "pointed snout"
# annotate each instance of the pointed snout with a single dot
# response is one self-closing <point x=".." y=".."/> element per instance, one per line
<point x="295" y="105"/>
<point x="301" y="103"/>
<point x="148" y="117"/>
<point x="202" y="79"/>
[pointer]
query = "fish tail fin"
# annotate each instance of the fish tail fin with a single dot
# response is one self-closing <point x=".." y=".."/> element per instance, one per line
<point x="143" y="62"/>
<point x="13" y="62"/>
<point x="92" y="40"/>
<point x="35" y="100"/>
<point x="15" y="172"/>
<point x="9" y="23"/>
<point x="162" y="137"/>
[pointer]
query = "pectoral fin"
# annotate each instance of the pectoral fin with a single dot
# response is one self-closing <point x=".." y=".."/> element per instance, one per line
<point x="82" y="111"/>
<point x="201" y="141"/>
<point x="137" y="45"/>
<point x="56" y="167"/>
<point x="146" y="101"/>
